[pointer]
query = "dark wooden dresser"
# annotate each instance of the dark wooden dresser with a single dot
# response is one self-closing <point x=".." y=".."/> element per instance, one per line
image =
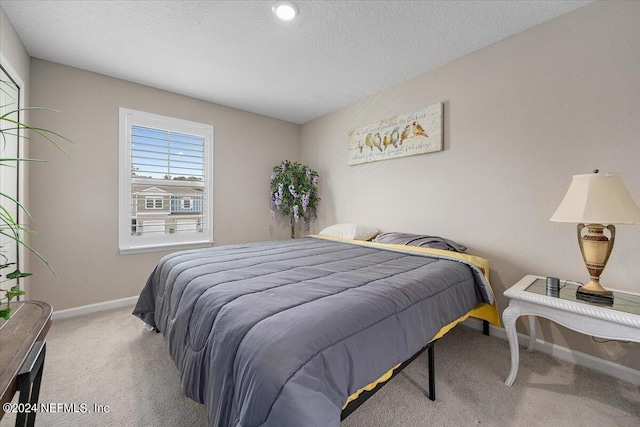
<point x="22" y="351"/>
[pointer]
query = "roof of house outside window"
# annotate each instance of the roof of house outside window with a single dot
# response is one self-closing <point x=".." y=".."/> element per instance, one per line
<point x="165" y="190"/>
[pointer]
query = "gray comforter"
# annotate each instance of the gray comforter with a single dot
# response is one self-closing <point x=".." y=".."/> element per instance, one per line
<point x="281" y="333"/>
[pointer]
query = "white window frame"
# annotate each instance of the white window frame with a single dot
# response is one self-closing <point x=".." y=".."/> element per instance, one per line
<point x="136" y="244"/>
<point x="20" y="175"/>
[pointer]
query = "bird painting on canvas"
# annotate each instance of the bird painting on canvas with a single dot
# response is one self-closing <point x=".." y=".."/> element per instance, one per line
<point x="395" y="135"/>
<point x="386" y="141"/>
<point x="368" y="141"/>
<point x="418" y="130"/>
<point x="405" y="133"/>
<point x="377" y="141"/>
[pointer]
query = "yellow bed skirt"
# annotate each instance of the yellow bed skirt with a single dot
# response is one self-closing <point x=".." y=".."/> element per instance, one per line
<point x="482" y="311"/>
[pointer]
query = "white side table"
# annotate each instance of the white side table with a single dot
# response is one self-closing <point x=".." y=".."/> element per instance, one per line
<point x="528" y="297"/>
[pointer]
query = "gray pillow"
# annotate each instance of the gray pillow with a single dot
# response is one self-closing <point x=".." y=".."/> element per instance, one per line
<point x="422" y="241"/>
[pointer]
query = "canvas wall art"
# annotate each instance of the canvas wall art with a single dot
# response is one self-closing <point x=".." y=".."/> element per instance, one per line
<point x="418" y="132"/>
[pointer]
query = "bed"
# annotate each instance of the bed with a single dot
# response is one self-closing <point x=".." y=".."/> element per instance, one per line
<point x="285" y="333"/>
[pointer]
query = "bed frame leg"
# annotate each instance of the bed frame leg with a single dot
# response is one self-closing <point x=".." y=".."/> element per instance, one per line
<point x="432" y="362"/>
<point x="432" y="371"/>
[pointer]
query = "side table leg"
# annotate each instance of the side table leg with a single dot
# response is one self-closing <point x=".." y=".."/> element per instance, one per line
<point x="35" y="389"/>
<point x="509" y="317"/>
<point x="29" y="379"/>
<point x="532" y="332"/>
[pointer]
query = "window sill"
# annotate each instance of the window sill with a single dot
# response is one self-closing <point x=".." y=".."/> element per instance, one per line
<point x="165" y="247"/>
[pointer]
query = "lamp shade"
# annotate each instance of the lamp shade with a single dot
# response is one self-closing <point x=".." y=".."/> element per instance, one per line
<point x="597" y="199"/>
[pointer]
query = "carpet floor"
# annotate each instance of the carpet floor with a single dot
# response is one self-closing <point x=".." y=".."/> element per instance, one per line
<point x="108" y="359"/>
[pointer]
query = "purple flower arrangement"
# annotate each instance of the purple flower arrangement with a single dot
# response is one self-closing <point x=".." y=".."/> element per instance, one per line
<point x="301" y="199"/>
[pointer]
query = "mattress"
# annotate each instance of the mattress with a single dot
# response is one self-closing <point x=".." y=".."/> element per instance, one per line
<point x="282" y="333"/>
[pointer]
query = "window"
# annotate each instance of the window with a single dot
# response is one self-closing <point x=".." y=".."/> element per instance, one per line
<point x="162" y="160"/>
<point x="153" y="203"/>
<point x="11" y="172"/>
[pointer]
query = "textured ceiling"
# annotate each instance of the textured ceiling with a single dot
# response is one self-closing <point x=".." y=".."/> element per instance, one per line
<point x="237" y="53"/>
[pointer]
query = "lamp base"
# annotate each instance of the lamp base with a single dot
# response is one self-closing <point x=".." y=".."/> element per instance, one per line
<point x="595" y="248"/>
<point x="595" y="296"/>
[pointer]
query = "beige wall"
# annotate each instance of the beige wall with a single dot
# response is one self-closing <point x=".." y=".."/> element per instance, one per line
<point x="75" y="202"/>
<point x="521" y="117"/>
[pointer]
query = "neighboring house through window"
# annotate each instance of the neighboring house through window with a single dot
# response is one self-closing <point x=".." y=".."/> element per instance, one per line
<point x="166" y="173"/>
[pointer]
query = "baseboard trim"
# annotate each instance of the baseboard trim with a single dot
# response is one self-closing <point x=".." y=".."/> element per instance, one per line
<point x="93" y="308"/>
<point x="615" y="370"/>
<point x="597" y="364"/>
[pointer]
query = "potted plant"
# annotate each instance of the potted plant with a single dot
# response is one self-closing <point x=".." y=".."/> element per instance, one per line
<point x="294" y="193"/>
<point x="10" y="227"/>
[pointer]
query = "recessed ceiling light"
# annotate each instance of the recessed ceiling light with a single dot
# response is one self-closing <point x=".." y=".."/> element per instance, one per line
<point x="285" y="10"/>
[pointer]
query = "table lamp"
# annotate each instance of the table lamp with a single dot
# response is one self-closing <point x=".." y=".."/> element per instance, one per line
<point x="591" y="201"/>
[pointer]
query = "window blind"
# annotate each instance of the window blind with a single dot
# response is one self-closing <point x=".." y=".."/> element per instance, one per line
<point x="166" y="155"/>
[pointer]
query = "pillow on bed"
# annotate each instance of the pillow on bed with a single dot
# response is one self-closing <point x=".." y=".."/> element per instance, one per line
<point x="434" y="242"/>
<point x="350" y="231"/>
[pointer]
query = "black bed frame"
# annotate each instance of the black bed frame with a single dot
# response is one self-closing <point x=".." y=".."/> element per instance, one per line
<point x="365" y="395"/>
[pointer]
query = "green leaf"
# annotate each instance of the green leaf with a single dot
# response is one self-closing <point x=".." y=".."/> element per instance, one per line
<point x="19" y="159"/>
<point x="17" y="275"/>
<point x="5" y="313"/>
<point x="44" y="133"/>
<point x="6" y="265"/>
<point x="17" y="202"/>
<point x="12" y="293"/>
